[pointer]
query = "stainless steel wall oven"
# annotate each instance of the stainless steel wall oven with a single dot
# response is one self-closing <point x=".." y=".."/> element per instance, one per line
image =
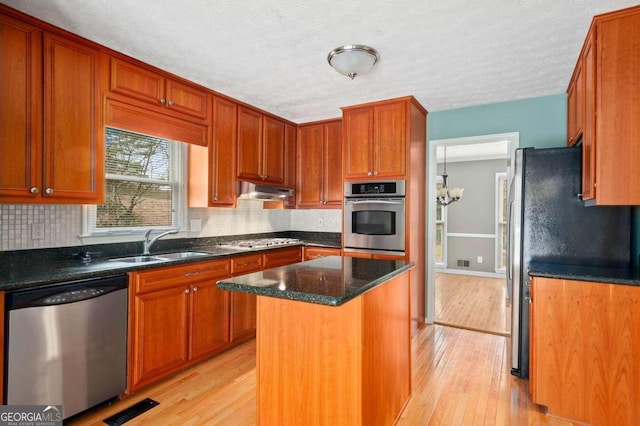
<point x="374" y="217"/>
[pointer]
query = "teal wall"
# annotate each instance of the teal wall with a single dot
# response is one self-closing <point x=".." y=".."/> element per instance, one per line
<point x="541" y="122"/>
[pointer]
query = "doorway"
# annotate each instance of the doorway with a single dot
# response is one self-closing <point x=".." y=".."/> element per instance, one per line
<point x="455" y="275"/>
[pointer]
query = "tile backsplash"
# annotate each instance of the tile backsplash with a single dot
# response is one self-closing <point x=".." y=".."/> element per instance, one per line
<point x="62" y="224"/>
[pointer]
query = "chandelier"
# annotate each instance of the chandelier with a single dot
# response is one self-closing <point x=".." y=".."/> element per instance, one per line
<point x="446" y="196"/>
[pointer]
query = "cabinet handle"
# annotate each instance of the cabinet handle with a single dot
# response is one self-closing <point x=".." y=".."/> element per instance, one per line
<point x="186" y="290"/>
<point x="195" y="289"/>
<point x="162" y="101"/>
<point x="247" y="263"/>
<point x="33" y="190"/>
<point x="48" y="191"/>
<point x="191" y="274"/>
<point x="170" y="103"/>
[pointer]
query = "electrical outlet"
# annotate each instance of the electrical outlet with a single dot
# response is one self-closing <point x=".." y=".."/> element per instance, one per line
<point x="320" y="222"/>
<point x="37" y="231"/>
<point x="479" y="259"/>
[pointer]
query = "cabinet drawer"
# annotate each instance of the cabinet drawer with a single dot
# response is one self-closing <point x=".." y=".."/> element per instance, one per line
<point x="172" y="276"/>
<point x="317" y="252"/>
<point x="282" y="257"/>
<point x="246" y="264"/>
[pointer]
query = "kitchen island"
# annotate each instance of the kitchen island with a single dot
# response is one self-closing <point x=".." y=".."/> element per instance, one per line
<point x="333" y="341"/>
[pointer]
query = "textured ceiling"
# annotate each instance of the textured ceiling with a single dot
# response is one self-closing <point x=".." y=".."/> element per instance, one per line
<point x="272" y="53"/>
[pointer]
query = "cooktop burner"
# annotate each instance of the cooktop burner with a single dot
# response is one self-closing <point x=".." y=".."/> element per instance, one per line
<point x="259" y="243"/>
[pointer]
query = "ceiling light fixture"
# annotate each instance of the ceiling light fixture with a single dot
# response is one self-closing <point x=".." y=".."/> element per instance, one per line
<point x="353" y="59"/>
<point x="445" y="195"/>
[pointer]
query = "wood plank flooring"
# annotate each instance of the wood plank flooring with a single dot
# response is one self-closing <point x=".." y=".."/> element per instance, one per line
<point x="459" y="377"/>
<point x="472" y="302"/>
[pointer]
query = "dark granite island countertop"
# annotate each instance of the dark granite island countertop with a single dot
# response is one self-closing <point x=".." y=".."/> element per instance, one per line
<point x="331" y="280"/>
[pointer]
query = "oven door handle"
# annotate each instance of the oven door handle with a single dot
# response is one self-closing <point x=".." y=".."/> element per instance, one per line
<point x="374" y="202"/>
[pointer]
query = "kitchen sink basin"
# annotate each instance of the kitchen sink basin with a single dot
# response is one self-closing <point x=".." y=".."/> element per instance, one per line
<point x="182" y="255"/>
<point x="139" y="259"/>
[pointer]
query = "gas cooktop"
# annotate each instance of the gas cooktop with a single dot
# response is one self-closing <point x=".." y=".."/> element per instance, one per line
<point x="259" y="243"/>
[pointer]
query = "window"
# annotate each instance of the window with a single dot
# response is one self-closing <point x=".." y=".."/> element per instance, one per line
<point x="144" y="185"/>
<point x="501" y="222"/>
<point x="441" y="230"/>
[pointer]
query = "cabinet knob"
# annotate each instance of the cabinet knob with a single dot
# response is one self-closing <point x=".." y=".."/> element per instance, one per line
<point x="375" y="173"/>
<point x="162" y="101"/>
<point x="170" y="103"/>
<point x="48" y="191"/>
<point x="215" y="198"/>
<point x="186" y="290"/>
<point x="33" y="190"/>
<point x="195" y="288"/>
<point x="369" y="174"/>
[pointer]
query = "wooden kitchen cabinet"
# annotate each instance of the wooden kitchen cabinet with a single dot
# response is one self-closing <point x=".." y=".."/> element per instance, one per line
<point x="318" y="252"/>
<point x="320" y="165"/>
<point x="261" y="147"/>
<point x="149" y="88"/>
<point x="51" y="100"/>
<point x="243" y="305"/>
<point x="281" y="257"/>
<point x="177" y="316"/>
<point x="610" y="64"/>
<point x="575" y="105"/>
<point x="585" y="361"/>
<point x="212" y="170"/>
<point x="375" y="142"/>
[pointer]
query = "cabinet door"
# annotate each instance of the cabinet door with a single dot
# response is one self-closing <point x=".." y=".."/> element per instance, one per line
<point x="159" y="335"/>
<point x="249" y="144"/>
<point x="186" y="99"/>
<point x="20" y="111"/>
<point x="575" y="105"/>
<point x="332" y="181"/>
<point x="243" y="305"/>
<point x="209" y="319"/>
<point x="136" y="82"/>
<point x="290" y="163"/>
<point x="310" y="166"/>
<point x="589" y="132"/>
<point x="74" y="135"/>
<point x="282" y="257"/>
<point x="223" y="152"/>
<point x="389" y="148"/>
<point x="358" y="134"/>
<point x="273" y="151"/>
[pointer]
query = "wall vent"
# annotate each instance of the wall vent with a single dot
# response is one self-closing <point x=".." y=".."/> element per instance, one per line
<point x="463" y="263"/>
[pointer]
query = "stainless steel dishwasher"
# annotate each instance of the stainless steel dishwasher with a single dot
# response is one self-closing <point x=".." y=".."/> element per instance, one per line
<point x="66" y="344"/>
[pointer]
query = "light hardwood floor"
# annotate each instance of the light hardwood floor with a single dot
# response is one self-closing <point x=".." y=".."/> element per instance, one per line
<point x="460" y="377"/>
<point x="472" y="302"/>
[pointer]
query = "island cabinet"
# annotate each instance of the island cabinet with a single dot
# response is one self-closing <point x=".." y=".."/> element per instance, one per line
<point x="153" y="89"/>
<point x="177" y="316"/>
<point x="377" y="139"/>
<point x="585" y="350"/>
<point x="261" y="147"/>
<point x="609" y="65"/>
<point x="212" y="169"/>
<point x="52" y="115"/>
<point x="320" y="165"/>
<point x="334" y="365"/>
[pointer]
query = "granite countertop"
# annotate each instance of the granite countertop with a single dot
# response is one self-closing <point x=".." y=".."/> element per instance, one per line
<point x="331" y="280"/>
<point x="33" y="268"/>
<point x="626" y="276"/>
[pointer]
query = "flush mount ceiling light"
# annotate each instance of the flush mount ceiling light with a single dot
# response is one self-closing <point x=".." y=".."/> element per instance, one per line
<point x="353" y="59"/>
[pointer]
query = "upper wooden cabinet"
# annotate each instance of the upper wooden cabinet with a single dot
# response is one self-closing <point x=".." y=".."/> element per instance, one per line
<point x="376" y="139"/>
<point x="584" y="358"/>
<point x="158" y="90"/>
<point x="261" y="147"/>
<point x="575" y="105"/>
<point x="320" y="165"/>
<point x="51" y="118"/>
<point x="212" y="170"/>
<point x="609" y="64"/>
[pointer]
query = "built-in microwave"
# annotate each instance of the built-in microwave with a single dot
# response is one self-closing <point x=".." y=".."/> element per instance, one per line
<point x="374" y="217"/>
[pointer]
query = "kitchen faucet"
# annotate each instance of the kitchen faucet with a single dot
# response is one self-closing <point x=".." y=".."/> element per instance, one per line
<point x="149" y="242"/>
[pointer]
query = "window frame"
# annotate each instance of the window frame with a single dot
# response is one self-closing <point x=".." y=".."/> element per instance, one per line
<point x="178" y="172"/>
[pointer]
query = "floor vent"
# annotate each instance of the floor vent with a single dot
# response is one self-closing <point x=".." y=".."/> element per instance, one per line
<point x="129" y="413"/>
<point x="463" y="263"/>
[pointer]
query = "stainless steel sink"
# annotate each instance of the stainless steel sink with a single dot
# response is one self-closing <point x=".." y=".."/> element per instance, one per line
<point x="139" y="259"/>
<point x="182" y="255"/>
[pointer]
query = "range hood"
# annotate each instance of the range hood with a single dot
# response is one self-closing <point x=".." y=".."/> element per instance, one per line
<point x="262" y="192"/>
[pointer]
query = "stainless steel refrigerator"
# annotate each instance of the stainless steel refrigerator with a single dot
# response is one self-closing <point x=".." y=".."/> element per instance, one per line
<point x="548" y="222"/>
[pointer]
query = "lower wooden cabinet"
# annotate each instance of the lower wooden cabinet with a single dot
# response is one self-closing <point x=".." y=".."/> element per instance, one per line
<point x="177" y="316"/>
<point x="286" y="256"/>
<point x="243" y="305"/>
<point x="317" y="252"/>
<point x="585" y="350"/>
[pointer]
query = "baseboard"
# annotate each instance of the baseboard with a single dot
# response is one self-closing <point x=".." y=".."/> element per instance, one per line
<point x="476" y="273"/>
